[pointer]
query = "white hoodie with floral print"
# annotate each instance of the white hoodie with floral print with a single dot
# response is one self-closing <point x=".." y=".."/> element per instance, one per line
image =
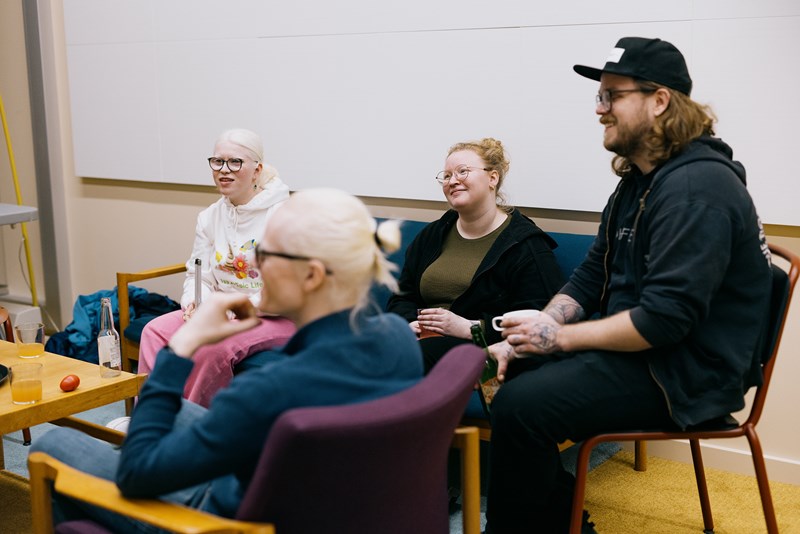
<point x="225" y="240"/>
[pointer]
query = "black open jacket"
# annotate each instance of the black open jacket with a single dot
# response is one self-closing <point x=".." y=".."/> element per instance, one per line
<point x="519" y="272"/>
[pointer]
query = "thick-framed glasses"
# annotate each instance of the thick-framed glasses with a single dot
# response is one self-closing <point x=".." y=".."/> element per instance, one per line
<point x="605" y="99"/>
<point x="460" y="174"/>
<point x="262" y="254"/>
<point x="234" y="164"/>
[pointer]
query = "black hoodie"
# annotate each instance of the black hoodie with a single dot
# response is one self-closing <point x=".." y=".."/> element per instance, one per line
<point x="689" y="260"/>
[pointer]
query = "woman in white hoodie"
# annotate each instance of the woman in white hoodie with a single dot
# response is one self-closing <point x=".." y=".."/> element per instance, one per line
<point x="225" y="241"/>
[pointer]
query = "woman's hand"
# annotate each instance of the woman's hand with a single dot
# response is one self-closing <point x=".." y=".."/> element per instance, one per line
<point x="187" y="313"/>
<point x="414" y="325"/>
<point x="445" y="322"/>
<point x="210" y="322"/>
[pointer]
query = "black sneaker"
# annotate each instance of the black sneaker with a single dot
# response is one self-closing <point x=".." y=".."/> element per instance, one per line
<point x="587" y="527"/>
<point x="453" y="496"/>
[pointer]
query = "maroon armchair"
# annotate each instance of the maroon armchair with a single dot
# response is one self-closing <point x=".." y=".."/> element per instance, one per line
<point x="377" y="466"/>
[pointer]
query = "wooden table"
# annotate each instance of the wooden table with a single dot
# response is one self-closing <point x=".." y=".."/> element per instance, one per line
<point x="57" y="406"/>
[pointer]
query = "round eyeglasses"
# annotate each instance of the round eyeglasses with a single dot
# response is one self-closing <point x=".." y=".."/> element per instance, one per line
<point x="234" y="164"/>
<point x="262" y="255"/>
<point x="460" y="174"/>
<point x="605" y="99"/>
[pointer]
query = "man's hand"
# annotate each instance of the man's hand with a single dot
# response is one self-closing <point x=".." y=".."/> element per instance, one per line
<point x="503" y="353"/>
<point x="210" y="322"/>
<point x="537" y="335"/>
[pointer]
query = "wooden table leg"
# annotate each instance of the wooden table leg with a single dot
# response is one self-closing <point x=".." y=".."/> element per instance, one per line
<point x="640" y="455"/>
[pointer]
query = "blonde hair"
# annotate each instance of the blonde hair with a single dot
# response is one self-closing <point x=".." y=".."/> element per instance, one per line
<point x="493" y="154"/>
<point x="338" y="230"/>
<point x="252" y="143"/>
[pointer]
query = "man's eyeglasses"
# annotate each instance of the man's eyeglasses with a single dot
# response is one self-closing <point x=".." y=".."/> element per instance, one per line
<point x="605" y="99"/>
<point x="262" y="254"/>
<point x="234" y="164"/>
<point x="460" y="173"/>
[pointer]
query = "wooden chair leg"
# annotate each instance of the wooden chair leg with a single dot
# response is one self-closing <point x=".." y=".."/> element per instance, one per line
<point x="129" y="406"/>
<point x="41" y="494"/>
<point x="466" y="440"/>
<point x="26" y="436"/>
<point x="640" y="455"/>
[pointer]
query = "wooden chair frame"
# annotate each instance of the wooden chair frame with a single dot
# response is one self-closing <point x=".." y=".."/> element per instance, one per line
<point x="130" y="349"/>
<point x="5" y="318"/>
<point x="96" y="491"/>
<point x="746" y="429"/>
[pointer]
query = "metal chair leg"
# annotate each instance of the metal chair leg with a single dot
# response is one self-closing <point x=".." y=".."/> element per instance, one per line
<point x="702" y="487"/>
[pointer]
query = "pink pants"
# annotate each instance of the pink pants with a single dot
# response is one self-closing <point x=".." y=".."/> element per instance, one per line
<point x="213" y="364"/>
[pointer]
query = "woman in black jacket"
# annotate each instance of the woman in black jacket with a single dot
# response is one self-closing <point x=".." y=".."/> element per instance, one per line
<point x="481" y="259"/>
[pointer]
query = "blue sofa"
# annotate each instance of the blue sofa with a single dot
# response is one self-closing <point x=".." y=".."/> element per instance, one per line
<point x="569" y="254"/>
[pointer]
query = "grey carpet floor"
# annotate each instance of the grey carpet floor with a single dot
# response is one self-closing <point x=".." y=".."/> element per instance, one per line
<point x="16" y="455"/>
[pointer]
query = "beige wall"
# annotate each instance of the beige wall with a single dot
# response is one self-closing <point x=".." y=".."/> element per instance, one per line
<point x="113" y="225"/>
<point x="14" y="91"/>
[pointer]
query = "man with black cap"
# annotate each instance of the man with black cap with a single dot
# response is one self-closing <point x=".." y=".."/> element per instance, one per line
<point x="677" y="281"/>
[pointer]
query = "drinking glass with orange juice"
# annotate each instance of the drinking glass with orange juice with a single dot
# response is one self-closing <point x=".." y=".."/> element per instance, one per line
<point x="26" y="383"/>
<point x="30" y="339"/>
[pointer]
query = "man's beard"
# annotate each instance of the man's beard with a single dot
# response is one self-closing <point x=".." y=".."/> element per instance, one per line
<point x="630" y="139"/>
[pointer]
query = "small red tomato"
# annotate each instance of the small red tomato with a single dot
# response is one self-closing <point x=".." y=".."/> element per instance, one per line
<point x="69" y="382"/>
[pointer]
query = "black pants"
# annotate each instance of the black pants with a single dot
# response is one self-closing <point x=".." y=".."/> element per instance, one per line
<point x="434" y="348"/>
<point x="550" y="399"/>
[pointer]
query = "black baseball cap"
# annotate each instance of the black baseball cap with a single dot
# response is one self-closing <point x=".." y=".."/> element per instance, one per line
<point x="651" y="60"/>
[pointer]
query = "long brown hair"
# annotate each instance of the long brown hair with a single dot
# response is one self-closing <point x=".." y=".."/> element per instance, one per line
<point x="682" y="122"/>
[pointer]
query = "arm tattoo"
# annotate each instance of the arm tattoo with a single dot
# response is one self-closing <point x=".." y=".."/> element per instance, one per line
<point x="565" y="309"/>
<point x="545" y="337"/>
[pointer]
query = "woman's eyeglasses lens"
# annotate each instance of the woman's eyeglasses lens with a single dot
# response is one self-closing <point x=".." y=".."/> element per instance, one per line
<point x="234" y="164"/>
<point x="460" y="173"/>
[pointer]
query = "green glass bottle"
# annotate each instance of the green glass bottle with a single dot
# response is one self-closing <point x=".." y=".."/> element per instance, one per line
<point x="488" y="381"/>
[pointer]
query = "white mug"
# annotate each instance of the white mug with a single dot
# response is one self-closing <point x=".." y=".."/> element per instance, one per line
<point x="516" y="313"/>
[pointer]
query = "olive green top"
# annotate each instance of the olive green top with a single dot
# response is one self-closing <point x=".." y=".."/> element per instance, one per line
<point x="451" y="273"/>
